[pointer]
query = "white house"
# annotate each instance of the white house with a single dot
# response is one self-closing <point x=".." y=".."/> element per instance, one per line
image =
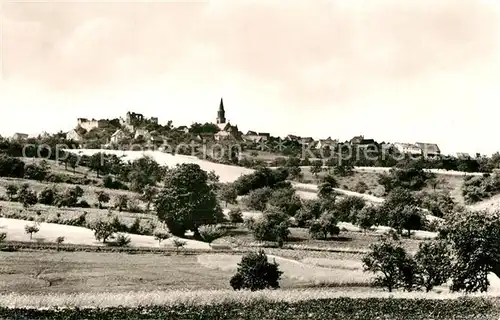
<point x="74" y="135"/>
<point x="407" y="148"/>
<point x="19" y="136"/>
<point x="118" y="136"/>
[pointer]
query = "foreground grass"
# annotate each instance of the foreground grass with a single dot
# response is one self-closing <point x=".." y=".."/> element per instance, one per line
<point x="245" y="305"/>
<point x="86" y="272"/>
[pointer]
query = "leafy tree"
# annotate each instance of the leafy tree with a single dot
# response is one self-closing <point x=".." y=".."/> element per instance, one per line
<point x="145" y="171"/>
<point x="121" y="202"/>
<point x="326" y="188"/>
<point x="161" y="235"/>
<point x="12" y="190"/>
<point x="386" y="260"/>
<point x="26" y="196"/>
<point x="235" y="215"/>
<point x="97" y="163"/>
<point x="285" y="200"/>
<point x="440" y="204"/>
<point x="434" y="263"/>
<point x="71" y="160"/>
<point x="367" y="217"/>
<point x="102" y="197"/>
<point x="148" y="195"/>
<point x="48" y="196"/>
<point x="348" y="207"/>
<point x="409" y="176"/>
<point x="103" y="229"/>
<point x="408" y="217"/>
<point x="178" y="243"/>
<point x="474" y="239"/>
<point x="11" y="167"/>
<point x="271" y="226"/>
<point x="257" y="199"/>
<point x="317" y="167"/>
<point x="324" y="226"/>
<point x="70" y="197"/>
<point x="228" y="193"/>
<point x="310" y="210"/>
<point x="35" y="172"/>
<point x="187" y="201"/>
<point x="59" y="240"/>
<point x="210" y="233"/>
<point x="30" y="229"/>
<point x="255" y="272"/>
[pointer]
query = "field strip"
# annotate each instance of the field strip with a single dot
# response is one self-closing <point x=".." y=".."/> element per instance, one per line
<point x="202" y="297"/>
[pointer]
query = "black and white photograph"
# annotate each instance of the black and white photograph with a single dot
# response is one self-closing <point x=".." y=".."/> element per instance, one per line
<point x="250" y="159"/>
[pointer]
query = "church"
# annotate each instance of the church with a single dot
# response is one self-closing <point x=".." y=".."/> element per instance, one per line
<point x="226" y="130"/>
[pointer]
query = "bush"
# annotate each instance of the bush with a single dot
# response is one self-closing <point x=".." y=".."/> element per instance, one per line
<point x="35" y="172"/>
<point x="11" y="167"/>
<point x="210" y="233"/>
<point x="122" y="240"/>
<point x="475" y="188"/>
<point x="11" y="190"/>
<point x="255" y="272"/>
<point x="235" y="215"/>
<point x="47" y="196"/>
<point x="26" y="196"/>
<point x="361" y="187"/>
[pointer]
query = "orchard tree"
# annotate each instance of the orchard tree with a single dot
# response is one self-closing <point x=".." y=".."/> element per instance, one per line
<point x="161" y="235"/>
<point x="434" y="263"/>
<point x="257" y="199"/>
<point x="12" y="190"/>
<point x="26" y="196"/>
<point x="148" y="195"/>
<point x="30" y="229"/>
<point x="228" y="194"/>
<point x="324" y="226"/>
<point x="71" y="160"/>
<point x="387" y="260"/>
<point x="271" y="226"/>
<point x="327" y="186"/>
<point x="285" y="200"/>
<point x="143" y="172"/>
<point x="121" y="202"/>
<point x="474" y="239"/>
<point x="316" y="168"/>
<point x="102" y="197"/>
<point x="187" y="200"/>
<point x="366" y="217"/>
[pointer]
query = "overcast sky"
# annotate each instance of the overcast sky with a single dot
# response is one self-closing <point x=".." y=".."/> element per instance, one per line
<point x="393" y="70"/>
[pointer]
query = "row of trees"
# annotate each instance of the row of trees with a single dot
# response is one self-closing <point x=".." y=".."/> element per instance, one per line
<point x="466" y="251"/>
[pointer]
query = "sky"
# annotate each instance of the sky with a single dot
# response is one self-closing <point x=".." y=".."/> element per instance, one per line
<point x="392" y="70"/>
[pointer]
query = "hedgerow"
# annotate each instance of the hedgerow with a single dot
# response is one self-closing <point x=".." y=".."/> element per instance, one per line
<point x="338" y="308"/>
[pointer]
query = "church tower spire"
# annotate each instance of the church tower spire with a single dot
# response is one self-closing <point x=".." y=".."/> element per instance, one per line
<point x="221" y="114"/>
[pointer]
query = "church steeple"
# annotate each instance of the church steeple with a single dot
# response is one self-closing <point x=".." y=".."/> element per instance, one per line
<point x="221" y="114"/>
